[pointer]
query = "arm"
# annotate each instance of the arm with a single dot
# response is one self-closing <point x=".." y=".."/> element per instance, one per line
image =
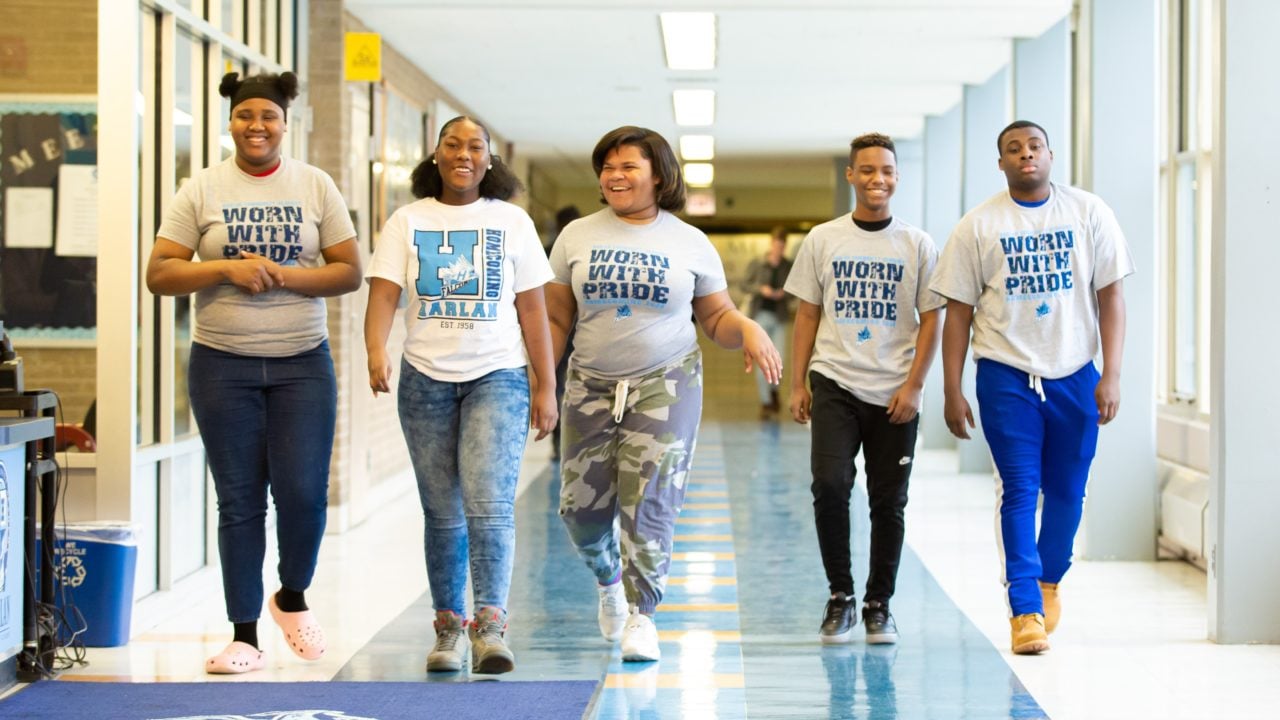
<point x="905" y="403"/>
<point x="808" y="316"/>
<point x="562" y="313"/>
<point x="171" y="271"/>
<point x="1111" y="320"/>
<point x="531" y="309"/>
<point x="384" y="295"/>
<point x="339" y="275"/>
<point x="955" y="345"/>
<point x="731" y="330"/>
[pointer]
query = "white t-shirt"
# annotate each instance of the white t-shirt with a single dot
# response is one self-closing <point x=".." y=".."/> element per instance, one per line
<point x="288" y="217"/>
<point x="1033" y="276"/>
<point x="635" y="286"/>
<point x="461" y="266"/>
<point x="871" y="287"/>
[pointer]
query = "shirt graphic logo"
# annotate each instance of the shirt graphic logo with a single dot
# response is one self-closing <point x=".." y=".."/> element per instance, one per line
<point x="864" y="334"/>
<point x="460" y="275"/>
<point x="866" y="291"/>
<point x="622" y="276"/>
<point x="624" y="312"/>
<point x="270" y="229"/>
<point x="1039" y="263"/>
<point x="1043" y="310"/>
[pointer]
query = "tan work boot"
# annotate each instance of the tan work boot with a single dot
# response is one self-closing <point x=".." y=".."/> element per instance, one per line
<point x="1052" y="605"/>
<point x="1029" y="637"/>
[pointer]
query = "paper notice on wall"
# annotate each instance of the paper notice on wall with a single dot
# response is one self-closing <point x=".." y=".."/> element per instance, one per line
<point x="77" y="211"/>
<point x="28" y="217"/>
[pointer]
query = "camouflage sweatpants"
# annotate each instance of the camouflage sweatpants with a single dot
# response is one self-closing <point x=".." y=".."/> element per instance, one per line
<point x="634" y="469"/>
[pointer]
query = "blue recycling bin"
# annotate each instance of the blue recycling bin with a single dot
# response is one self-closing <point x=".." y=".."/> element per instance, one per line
<point x="96" y="563"/>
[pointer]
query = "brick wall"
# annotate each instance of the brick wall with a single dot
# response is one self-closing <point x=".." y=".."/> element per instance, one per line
<point x="49" y="46"/>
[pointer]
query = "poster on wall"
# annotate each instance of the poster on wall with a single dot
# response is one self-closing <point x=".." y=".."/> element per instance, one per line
<point x="48" y="272"/>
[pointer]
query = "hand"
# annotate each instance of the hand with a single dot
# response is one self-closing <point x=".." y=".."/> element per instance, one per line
<point x="758" y="351"/>
<point x="379" y="372"/>
<point x="956" y="411"/>
<point x="253" y="273"/>
<point x="543" y="412"/>
<point x="1107" y="394"/>
<point x="904" y="405"/>
<point x="801" y="401"/>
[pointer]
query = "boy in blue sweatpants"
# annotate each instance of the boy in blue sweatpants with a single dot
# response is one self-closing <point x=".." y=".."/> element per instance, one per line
<point x="1036" y="272"/>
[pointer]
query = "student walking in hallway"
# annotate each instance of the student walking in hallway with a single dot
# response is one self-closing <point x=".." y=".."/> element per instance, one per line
<point x="1036" y="273"/>
<point x="473" y="268"/>
<point x="274" y="237"/>
<point x="630" y="277"/>
<point x="865" y="333"/>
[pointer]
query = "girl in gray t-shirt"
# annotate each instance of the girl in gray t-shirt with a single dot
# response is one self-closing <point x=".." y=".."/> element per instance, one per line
<point x="630" y="277"/>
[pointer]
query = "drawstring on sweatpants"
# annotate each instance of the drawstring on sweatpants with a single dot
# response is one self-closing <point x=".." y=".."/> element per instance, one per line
<point x="1033" y="382"/>
<point x="620" y="399"/>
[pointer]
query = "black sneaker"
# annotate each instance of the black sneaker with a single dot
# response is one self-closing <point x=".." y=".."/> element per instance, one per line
<point x="838" y="622"/>
<point x="878" y="621"/>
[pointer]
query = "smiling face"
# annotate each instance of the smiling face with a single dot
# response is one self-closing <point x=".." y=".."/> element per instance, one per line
<point x="873" y="174"/>
<point x="628" y="184"/>
<point x="462" y="157"/>
<point x="257" y="127"/>
<point x="1026" y="160"/>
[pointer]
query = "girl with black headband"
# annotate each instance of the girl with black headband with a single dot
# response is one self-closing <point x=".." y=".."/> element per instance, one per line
<point x="274" y="238"/>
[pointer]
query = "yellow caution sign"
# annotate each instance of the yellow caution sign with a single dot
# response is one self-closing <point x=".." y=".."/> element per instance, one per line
<point x="364" y="57"/>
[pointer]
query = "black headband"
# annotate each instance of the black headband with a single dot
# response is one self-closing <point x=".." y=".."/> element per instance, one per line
<point x="279" y="89"/>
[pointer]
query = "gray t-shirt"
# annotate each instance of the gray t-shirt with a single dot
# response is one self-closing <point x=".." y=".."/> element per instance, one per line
<point x="635" y="286"/>
<point x="1033" y="275"/>
<point x="871" y="287"/>
<point x="288" y="216"/>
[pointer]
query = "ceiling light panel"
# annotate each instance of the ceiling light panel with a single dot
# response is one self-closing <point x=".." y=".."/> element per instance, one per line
<point x="689" y="39"/>
<point x="699" y="175"/>
<point x="697" y="147"/>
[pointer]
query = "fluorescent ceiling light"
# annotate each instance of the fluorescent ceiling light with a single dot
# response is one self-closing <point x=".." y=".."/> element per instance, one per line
<point x="697" y="147"/>
<point x="689" y="39"/>
<point x="694" y="107"/>
<point x="698" y="174"/>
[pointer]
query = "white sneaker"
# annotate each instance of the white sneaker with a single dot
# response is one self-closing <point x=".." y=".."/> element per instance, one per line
<point x="640" y="639"/>
<point x="613" y="610"/>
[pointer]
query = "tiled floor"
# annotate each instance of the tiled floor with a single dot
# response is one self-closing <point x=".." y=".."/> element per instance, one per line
<point x="738" y="627"/>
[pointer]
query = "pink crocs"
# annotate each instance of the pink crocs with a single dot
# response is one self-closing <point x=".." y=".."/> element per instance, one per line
<point x="301" y="631"/>
<point x="238" y="657"/>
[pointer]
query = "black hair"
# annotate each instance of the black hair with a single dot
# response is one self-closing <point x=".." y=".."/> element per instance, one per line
<point x="779" y="232"/>
<point x="498" y="183"/>
<point x="279" y="89"/>
<point x="863" y="142"/>
<point x="670" y="189"/>
<point x="1016" y="124"/>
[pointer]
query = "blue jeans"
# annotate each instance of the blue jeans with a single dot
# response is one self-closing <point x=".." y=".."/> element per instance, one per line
<point x="466" y="440"/>
<point x="1039" y="447"/>
<point x="267" y="424"/>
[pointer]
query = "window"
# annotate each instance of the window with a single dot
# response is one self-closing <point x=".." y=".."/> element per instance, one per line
<point x="1186" y="196"/>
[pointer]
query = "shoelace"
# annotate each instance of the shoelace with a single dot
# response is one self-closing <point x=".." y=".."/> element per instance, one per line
<point x="449" y="639"/>
<point x="835" y="610"/>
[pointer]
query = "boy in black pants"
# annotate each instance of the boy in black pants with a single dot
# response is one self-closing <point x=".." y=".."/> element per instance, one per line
<point x="866" y="331"/>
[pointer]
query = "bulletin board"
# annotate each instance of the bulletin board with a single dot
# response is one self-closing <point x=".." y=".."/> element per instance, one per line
<point x="48" y="214"/>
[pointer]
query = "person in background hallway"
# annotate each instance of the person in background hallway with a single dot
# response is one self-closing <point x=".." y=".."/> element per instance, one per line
<point x="764" y="280"/>
<point x="1036" y="273"/>
<point x="630" y="277"/>
<point x="274" y="238"/>
<point x="867" y="352"/>
<point x="564" y="216"/>
<point x="473" y="267"/>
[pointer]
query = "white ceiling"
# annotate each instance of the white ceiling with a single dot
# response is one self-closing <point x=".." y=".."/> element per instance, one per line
<point x="793" y="80"/>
